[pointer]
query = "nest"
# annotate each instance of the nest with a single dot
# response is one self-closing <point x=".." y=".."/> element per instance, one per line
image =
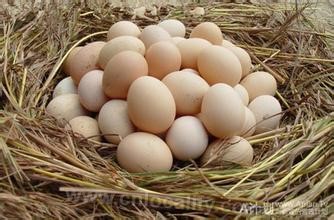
<point x="47" y="172"/>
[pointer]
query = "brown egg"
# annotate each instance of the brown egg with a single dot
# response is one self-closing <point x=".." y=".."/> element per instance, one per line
<point x="152" y="34"/>
<point x="249" y="125"/>
<point x="176" y="40"/>
<point x="121" y="71"/>
<point x="123" y="28"/>
<point x="217" y="64"/>
<point x="69" y="60"/>
<point x="151" y="105"/>
<point x="85" y="60"/>
<point x="232" y="150"/>
<point x="227" y="44"/>
<point x="174" y="27"/>
<point x="66" y="107"/>
<point x="91" y="92"/>
<point x="223" y="112"/>
<point x="157" y="55"/>
<point x="85" y="126"/>
<point x="144" y="152"/>
<point x="244" y="58"/>
<point x="114" y="121"/>
<point x="266" y="110"/>
<point x="190" y="49"/>
<point x="188" y="90"/>
<point x="259" y="83"/>
<point x="208" y="31"/>
<point x="117" y="45"/>
<point x="242" y="93"/>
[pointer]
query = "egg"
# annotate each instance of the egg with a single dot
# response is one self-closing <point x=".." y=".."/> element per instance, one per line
<point x="190" y="49"/>
<point x="66" y="107"/>
<point x="151" y="105"/>
<point x="91" y="92"/>
<point x="187" y="138"/>
<point x="117" y="45"/>
<point x="208" y="31"/>
<point x="244" y="59"/>
<point x="248" y="128"/>
<point x="121" y="71"/>
<point x="259" y="83"/>
<point x="242" y="92"/>
<point x="232" y="150"/>
<point x="152" y="34"/>
<point x="174" y="27"/>
<point x="65" y="86"/>
<point x="190" y="70"/>
<point x="197" y="12"/>
<point x="217" y="64"/>
<point x="227" y="44"/>
<point x="157" y="55"/>
<point x="69" y="60"/>
<point x="144" y="152"/>
<point x="188" y="90"/>
<point x="114" y="121"/>
<point x="222" y="111"/>
<point x="266" y="110"/>
<point x="176" y="40"/>
<point x="85" y="126"/>
<point x="123" y="28"/>
<point x="85" y="60"/>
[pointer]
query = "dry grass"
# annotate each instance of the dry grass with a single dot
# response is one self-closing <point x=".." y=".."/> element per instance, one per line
<point x="41" y="163"/>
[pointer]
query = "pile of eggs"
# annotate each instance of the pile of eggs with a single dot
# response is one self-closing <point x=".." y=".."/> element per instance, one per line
<point x="159" y="95"/>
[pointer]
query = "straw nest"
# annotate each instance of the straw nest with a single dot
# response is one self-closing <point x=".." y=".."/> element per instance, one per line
<point x="46" y="172"/>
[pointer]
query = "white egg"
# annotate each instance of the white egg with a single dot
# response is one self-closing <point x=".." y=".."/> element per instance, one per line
<point x="187" y="138"/>
<point x="65" y="86"/>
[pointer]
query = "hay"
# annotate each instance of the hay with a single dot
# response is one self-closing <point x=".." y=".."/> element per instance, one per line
<point x="46" y="172"/>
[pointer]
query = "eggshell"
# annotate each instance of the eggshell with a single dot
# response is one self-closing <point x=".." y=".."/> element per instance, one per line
<point x="157" y="55"/>
<point x="244" y="59"/>
<point x="114" y="121"/>
<point x="190" y="49"/>
<point x="85" y="60"/>
<point x="249" y="125"/>
<point x="227" y="44"/>
<point x="151" y="105"/>
<point x="188" y="90"/>
<point x="121" y="71"/>
<point x="174" y="27"/>
<point x="217" y="64"/>
<point x="123" y="28"/>
<point x="176" y="40"/>
<point x="242" y="93"/>
<point x="222" y="111"/>
<point x="259" y="83"/>
<point x="208" y="31"/>
<point x="266" y="110"/>
<point x="190" y="70"/>
<point x="65" y="86"/>
<point x="69" y="60"/>
<point x="187" y="138"/>
<point x="152" y="34"/>
<point x="117" y="45"/>
<point x="66" y="107"/>
<point x="91" y="92"/>
<point x="85" y="126"/>
<point x="144" y="152"/>
<point x="233" y="150"/>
